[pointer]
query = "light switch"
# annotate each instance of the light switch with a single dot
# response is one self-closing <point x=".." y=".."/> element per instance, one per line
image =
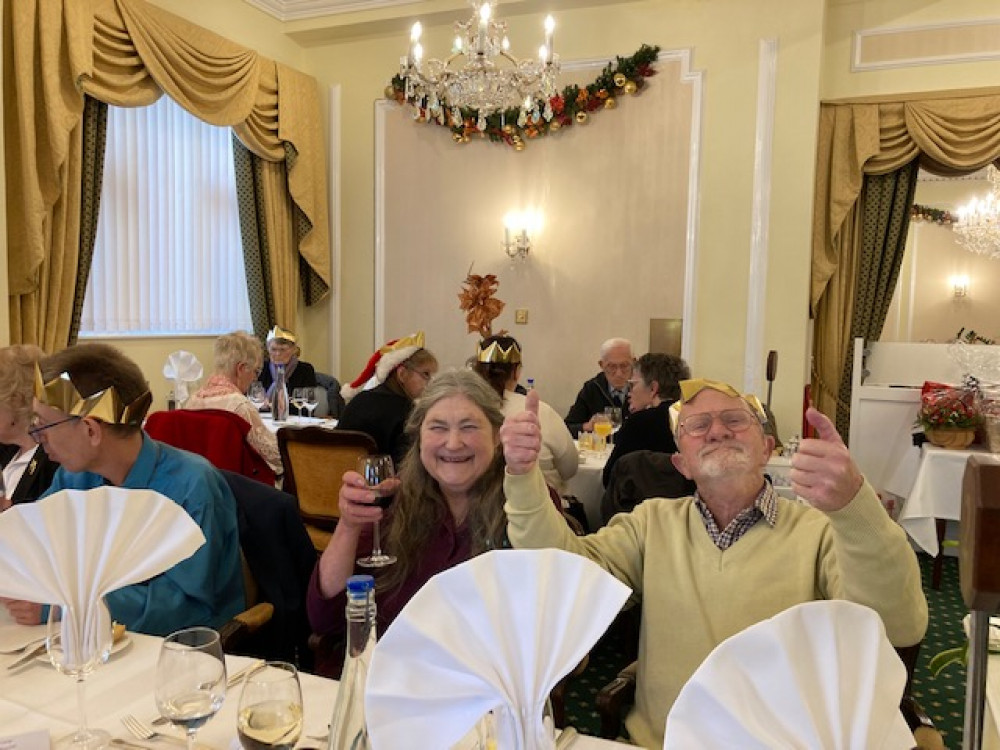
<point x="521" y="316"/>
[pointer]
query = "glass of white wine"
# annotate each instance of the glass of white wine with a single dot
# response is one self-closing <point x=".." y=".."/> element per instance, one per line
<point x="270" y="712"/>
<point x="298" y="400"/>
<point x="190" y="679"/>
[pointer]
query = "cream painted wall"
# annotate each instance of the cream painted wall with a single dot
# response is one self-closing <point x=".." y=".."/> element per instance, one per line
<point x="724" y="36"/>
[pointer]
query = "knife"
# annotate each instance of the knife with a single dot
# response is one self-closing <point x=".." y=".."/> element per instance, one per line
<point x="27" y="656"/>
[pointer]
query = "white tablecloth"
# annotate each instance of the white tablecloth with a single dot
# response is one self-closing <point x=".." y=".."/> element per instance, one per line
<point x="294" y="421"/>
<point x="587" y="485"/>
<point x="36" y="697"/>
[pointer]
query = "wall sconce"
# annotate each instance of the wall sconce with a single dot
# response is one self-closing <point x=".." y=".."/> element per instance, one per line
<point x="960" y="286"/>
<point x="518" y="227"/>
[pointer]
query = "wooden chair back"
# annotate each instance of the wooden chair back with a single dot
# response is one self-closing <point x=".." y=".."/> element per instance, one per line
<point x="315" y="458"/>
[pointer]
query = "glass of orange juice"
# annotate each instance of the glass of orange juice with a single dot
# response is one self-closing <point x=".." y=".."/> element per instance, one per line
<point x="602" y="429"/>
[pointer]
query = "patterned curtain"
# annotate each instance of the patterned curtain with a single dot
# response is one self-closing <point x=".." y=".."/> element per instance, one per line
<point x="885" y="205"/>
<point x="255" y="248"/>
<point x="95" y="138"/>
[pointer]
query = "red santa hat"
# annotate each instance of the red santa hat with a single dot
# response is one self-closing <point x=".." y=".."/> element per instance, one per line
<point x="383" y="362"/>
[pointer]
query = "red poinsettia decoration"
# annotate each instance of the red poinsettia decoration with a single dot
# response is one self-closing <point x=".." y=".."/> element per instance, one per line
<point x="478" y="303"/>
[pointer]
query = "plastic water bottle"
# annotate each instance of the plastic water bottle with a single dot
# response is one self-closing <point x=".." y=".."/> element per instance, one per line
<point x="279" y="398"/>
<point x="348" y="730"/>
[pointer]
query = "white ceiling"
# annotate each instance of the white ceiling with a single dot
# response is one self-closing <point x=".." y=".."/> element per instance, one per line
<point x="293" y="10"/>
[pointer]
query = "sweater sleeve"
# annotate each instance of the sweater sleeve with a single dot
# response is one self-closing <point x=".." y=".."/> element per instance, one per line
<point x="260" y="438"/>
<point x="873" y="564"/>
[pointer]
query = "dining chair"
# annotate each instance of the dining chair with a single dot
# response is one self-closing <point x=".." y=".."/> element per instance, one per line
<point x="216" y="434"/>
<point x="315" y="458"/>
<point x="638" y="476"/>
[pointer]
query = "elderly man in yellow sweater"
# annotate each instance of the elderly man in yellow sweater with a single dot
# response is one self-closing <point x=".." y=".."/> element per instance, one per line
<point x="708" y="566"/>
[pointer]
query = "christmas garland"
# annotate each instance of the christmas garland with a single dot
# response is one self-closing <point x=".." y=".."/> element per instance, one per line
<point x="628" y="75"/>
<point x="929" y="213"/>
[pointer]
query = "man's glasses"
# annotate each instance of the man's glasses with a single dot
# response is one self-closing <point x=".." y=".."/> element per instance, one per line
<point x="623" y="367"/>
<point x="36" y="429"/>
<point x="734" y="420"/>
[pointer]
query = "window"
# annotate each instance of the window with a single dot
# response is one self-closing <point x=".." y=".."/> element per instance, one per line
<point x="168" y="257"/>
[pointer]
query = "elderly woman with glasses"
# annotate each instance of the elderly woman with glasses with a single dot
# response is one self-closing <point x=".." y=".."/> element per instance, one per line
<point x="381" y="397"/>
<point x="238" y="361"/>
<point x="27" y="469"/>
<point x="283" y="350"/>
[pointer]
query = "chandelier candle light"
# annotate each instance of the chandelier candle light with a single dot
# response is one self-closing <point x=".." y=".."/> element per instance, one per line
<point x="978" y="225"/>
<point x="489" y="80"/>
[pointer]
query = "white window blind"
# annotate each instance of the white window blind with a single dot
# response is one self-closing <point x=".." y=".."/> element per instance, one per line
<point x="168" y="257"/>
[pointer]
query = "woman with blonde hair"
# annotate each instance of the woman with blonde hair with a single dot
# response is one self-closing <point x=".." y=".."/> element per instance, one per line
<point x="27" y="470"/>
<point x="238" y="361"/>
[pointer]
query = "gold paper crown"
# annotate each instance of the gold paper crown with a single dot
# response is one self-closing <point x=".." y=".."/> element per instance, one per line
<point x="106" y="405"/>
<point x="280" y="333"/>
<point x="496" y="354"/>
<point x="691" y="388"/>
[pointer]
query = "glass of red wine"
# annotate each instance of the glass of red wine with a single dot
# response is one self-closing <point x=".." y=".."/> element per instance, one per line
<point x="380" y="475"/>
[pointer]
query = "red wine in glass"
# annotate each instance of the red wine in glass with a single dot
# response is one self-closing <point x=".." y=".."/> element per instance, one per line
<point x="380" y="475"/>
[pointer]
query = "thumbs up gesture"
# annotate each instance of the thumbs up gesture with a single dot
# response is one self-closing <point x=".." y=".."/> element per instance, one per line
<point x="823" y="472"/>
<point x="521" y="437"/>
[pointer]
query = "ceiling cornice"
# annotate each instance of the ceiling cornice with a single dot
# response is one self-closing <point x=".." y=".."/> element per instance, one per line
<point x="296" y="10"/>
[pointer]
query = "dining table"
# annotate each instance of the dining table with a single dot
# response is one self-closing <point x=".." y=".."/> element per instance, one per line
<point x="36" y="698"/>
<point x="296" y="421"/>
<point x="587" y="485"/>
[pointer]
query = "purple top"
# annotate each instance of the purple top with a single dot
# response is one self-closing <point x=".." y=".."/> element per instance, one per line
<point x="447" y="548"/>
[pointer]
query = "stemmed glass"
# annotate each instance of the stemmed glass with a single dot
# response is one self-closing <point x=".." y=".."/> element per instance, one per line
<point x="309" y="400"/>
<point x="298" y="399"/>
<point x="76" y="649"/>
<point x="270" y="712"/>
<point x="190" y="679"/>
<point x="615" y="416"/>
<point x="257" y="395"/>
<point x="602" y="429"/>
<point x="378" y="472"/>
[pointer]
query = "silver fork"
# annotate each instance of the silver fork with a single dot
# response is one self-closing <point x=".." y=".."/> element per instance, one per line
<point x="142" y="731"/>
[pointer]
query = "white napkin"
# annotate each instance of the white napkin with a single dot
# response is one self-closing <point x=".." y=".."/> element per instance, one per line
<point x="818" y="675"/>
<point x="75" y="546"/>
<point x="183" y="368"/>
<point x="496" y="632"/>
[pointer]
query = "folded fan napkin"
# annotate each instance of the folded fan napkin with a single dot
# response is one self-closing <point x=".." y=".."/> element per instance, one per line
<point x="75" y="546"/>
<point x="183" y="368"/>
<point x="818" y="675"/>
<point x="496" y="632"/>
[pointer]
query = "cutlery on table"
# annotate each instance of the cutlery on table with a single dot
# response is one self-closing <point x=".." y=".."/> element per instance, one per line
<point x="22" y="646"/>
<point x="28" y="655"/>
<point x="142" y="731"/>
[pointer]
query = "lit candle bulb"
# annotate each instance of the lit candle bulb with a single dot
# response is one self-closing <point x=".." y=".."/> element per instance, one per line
<point x="484" y="15"/>
<point x="415" y="32"/>
<point x="458" y="45"/>
<point x="543" y="53"/>
<point x="418" y="52"/>
<point x="505" y="44"/>
<point x="550" y="25"/>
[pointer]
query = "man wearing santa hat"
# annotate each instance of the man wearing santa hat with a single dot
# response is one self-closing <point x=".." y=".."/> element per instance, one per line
<point x="380" y="398"/>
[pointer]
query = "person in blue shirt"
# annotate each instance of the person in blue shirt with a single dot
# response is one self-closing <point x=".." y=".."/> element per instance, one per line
<point x="88" y="416"/>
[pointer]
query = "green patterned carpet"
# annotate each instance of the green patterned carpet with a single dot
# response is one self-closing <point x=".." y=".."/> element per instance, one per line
<point x="943" y="697"/>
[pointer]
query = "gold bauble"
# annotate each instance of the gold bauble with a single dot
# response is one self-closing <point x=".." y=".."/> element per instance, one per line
<point x="508" y="128"/>
<point x="582" y="117"/>
<point x="519" y="146"/>
<point x="457" y="137"/>
<point x="555" y="125"/>
<point x="390" y="92"/>
<point x="610" y="103"/>
<point x="631" y="88"/>
<point x="620" y="79"/>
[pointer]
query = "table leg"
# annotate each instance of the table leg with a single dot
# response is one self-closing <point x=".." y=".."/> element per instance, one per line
<point x="940" y="524"/>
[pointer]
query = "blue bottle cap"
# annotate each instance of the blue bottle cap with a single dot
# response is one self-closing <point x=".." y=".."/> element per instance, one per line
<point x="360" y="584"/>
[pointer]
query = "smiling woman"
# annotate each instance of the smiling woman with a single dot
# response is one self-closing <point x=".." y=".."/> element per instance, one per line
<point x="449" y="507"/>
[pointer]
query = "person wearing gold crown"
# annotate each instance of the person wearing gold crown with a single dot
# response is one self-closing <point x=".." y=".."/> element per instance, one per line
<point x="735" y="553"/>
<point x="498" y="360"/>
<point x="282" y="349"/>
<point x="380" y="399"/>
<point x="90" y="402"/>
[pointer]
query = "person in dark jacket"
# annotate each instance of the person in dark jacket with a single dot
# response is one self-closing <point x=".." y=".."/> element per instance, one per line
<point x="652" y="389"/>
<point x="608" y="388"/>
<point x="283" y="350"/>
<point x="381" y="397"/>
<point x="27" y="469"/>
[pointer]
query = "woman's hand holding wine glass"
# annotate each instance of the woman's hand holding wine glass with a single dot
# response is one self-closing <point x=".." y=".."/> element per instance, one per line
<point x="190" y="679"/>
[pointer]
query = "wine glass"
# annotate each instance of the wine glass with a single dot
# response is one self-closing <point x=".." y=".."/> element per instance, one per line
<point x="190" y="679"/>
<point x="378" y="472"/>
<point x="270" y="712"/>
<point x="257" y="395"/>
<point x="615" y="415"/>
<point x="309" y="400"/>
<point x="298" y="399"/>
<point x="602" y="429"/>
<point x="76" y="649"/>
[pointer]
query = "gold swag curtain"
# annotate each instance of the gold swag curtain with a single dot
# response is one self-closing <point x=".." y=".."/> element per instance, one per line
<point x="128" y="53"/>
<point x="951" y="132"/>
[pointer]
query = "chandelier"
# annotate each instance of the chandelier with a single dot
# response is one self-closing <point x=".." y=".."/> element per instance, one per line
<point x="978" y="225"/>
<point x="481" y="74"/>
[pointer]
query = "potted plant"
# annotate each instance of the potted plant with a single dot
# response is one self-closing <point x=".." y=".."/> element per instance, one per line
<point x="948" y="415"/>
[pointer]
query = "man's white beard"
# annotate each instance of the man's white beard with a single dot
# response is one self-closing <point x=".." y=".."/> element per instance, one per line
<point x="722" y="460"/>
